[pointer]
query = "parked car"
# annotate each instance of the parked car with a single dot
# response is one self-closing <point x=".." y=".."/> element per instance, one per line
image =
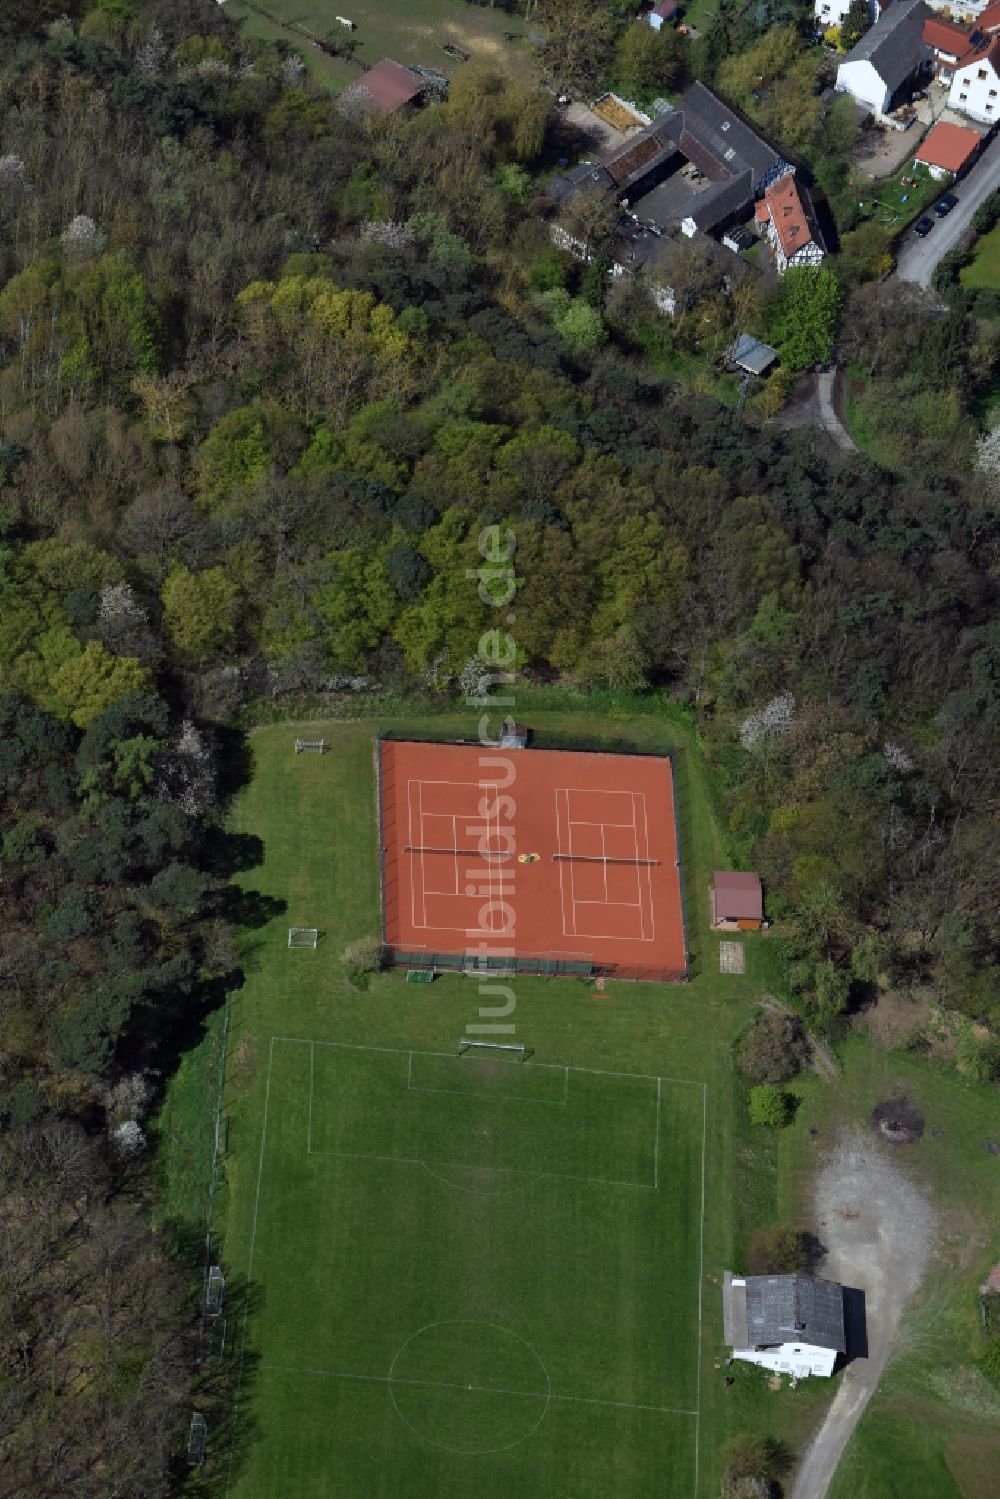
<point x="945" y="205"/>
<point x="923" y="226"/>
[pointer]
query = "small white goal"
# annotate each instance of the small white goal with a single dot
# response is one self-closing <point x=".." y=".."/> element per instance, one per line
<point x="517" y="1047"/>
<point x="303" y="936"/>
<point x="317" y="746"/>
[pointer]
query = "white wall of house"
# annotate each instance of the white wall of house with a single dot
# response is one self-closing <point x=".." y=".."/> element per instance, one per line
<point x="960" y="11"/>
<point x="862" y="82"/>
<point x="940" y="173"/>
<point x="831" y="12"/>
<point x="799" y="1359"/>
<point x="975" y="90"/>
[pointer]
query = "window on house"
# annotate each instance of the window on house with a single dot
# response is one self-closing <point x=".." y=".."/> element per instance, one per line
<point x="981" y="73"/>
<point x="962" y="98"/>
<point x="966" y="82"/>
<point x="989" y="109"/>
<point x="992" y="93"/>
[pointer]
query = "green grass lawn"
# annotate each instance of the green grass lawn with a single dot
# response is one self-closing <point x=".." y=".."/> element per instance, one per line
<point x="885" y="200"/>
<point x="353" y="1193"/>
<point x="406" y="32"/>
<point x="984" y="269"/>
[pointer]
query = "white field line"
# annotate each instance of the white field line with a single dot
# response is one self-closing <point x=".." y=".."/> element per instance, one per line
<point x="312" y="1074"/>
<point x="701" y="1282"/>
<point x="656" y="1148"/>
<point x="253" y="1241"/>
<point x="439" y="1384"/>
<point x="433" y="1166"/>
<point x="405" y="1051"/>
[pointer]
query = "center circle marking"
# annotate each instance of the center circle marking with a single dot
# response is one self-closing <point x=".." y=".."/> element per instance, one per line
<point x="498" y="1335"/>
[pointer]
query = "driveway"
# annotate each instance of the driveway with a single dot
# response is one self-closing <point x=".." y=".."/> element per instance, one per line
<point x="878" y="1231"/>
<point x="917" y="259"/>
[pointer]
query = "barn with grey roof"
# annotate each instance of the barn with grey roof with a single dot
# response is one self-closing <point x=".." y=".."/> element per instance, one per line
<point x="791" y="1324"/>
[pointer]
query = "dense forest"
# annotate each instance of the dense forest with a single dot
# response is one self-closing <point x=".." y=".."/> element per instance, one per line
<point x="267" y="368"/>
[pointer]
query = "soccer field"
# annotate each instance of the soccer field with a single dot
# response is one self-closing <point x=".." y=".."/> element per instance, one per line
<point x="395" y="1221"/>
<point x="479" y="1275"/>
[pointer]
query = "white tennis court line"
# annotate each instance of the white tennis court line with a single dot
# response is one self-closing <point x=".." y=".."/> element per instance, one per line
<point x="442" y="1384"/>
<point x="643" y="903"/>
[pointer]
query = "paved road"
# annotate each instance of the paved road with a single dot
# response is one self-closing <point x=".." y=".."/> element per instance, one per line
<point x="918" y="258"/>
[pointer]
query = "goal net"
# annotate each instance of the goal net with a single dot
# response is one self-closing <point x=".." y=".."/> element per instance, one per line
<point x="317" y="746"/>
<point x="516" y="1047"/>
<point x="303" y="936"/>
<point x="214" y="1288"/>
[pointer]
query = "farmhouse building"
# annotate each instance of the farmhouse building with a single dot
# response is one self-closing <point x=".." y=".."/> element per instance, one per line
<point x="790" y="225"/>
<point x="698" y="166"/>
<point x="791" y="1324"/>
<point x="890" y="60"/>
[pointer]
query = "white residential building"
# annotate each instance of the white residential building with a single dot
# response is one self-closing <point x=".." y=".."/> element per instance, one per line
<point x="890" y="59"/>
<point x="832" y="12"/>
<point x="791" y="1324"/>
<point x="975" y="85"/>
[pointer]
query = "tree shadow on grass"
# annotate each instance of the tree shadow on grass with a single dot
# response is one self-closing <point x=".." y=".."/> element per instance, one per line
<point x="224" y="1387"/>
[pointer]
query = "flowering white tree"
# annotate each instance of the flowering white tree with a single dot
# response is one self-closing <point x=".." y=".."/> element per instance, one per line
<point x="988" y="456"/>
<point x="474" y="680"/>
<point x="81" y="237"/>
<point x="896" y="758"/>
<point x="151" y="57"/>
<point x="188" y="774"/>
<point x="13" y="173"/>
<point x="775" y="718"/>
<point x="127" y="1139"/>
<point x="293" y="70"/>
<point x="127" y="1099"/>
<point x="389" y="232"/>
<point x="122" y="624"/>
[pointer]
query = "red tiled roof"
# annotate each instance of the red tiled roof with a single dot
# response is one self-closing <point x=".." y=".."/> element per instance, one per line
<point x="988" y="51"/>
<point x="949" y="146"/>
<point x="788" y="215"/>
<point x="945" y="36"/>
<point x="989" y="19"/>
<point x="761" y="212"/>
<point x="389" y="85"/>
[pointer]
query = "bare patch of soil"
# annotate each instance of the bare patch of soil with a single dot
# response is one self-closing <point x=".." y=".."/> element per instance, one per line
<point x="898" y="1121"/>
<point x="895" y="1017"/>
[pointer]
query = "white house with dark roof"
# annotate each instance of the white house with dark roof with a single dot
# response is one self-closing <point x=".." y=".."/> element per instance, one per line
<point x="790" y="1324"/>
<point x="890" y="59"/>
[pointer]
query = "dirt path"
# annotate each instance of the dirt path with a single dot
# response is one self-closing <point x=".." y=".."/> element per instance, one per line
<point x="878" y="1230"/>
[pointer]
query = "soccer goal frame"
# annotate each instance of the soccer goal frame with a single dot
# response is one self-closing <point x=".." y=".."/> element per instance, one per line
<point x="317" y="746"/>
<point x="517" y="1047"/>
<point x="303" y="936"/>
<point x="214" y="1287"/>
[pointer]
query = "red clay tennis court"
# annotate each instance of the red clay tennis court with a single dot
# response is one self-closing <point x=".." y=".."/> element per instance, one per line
<point x="551" y="861"/>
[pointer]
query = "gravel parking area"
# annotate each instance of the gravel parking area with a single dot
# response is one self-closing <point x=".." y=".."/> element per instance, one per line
<point x="879" y="1232"/>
